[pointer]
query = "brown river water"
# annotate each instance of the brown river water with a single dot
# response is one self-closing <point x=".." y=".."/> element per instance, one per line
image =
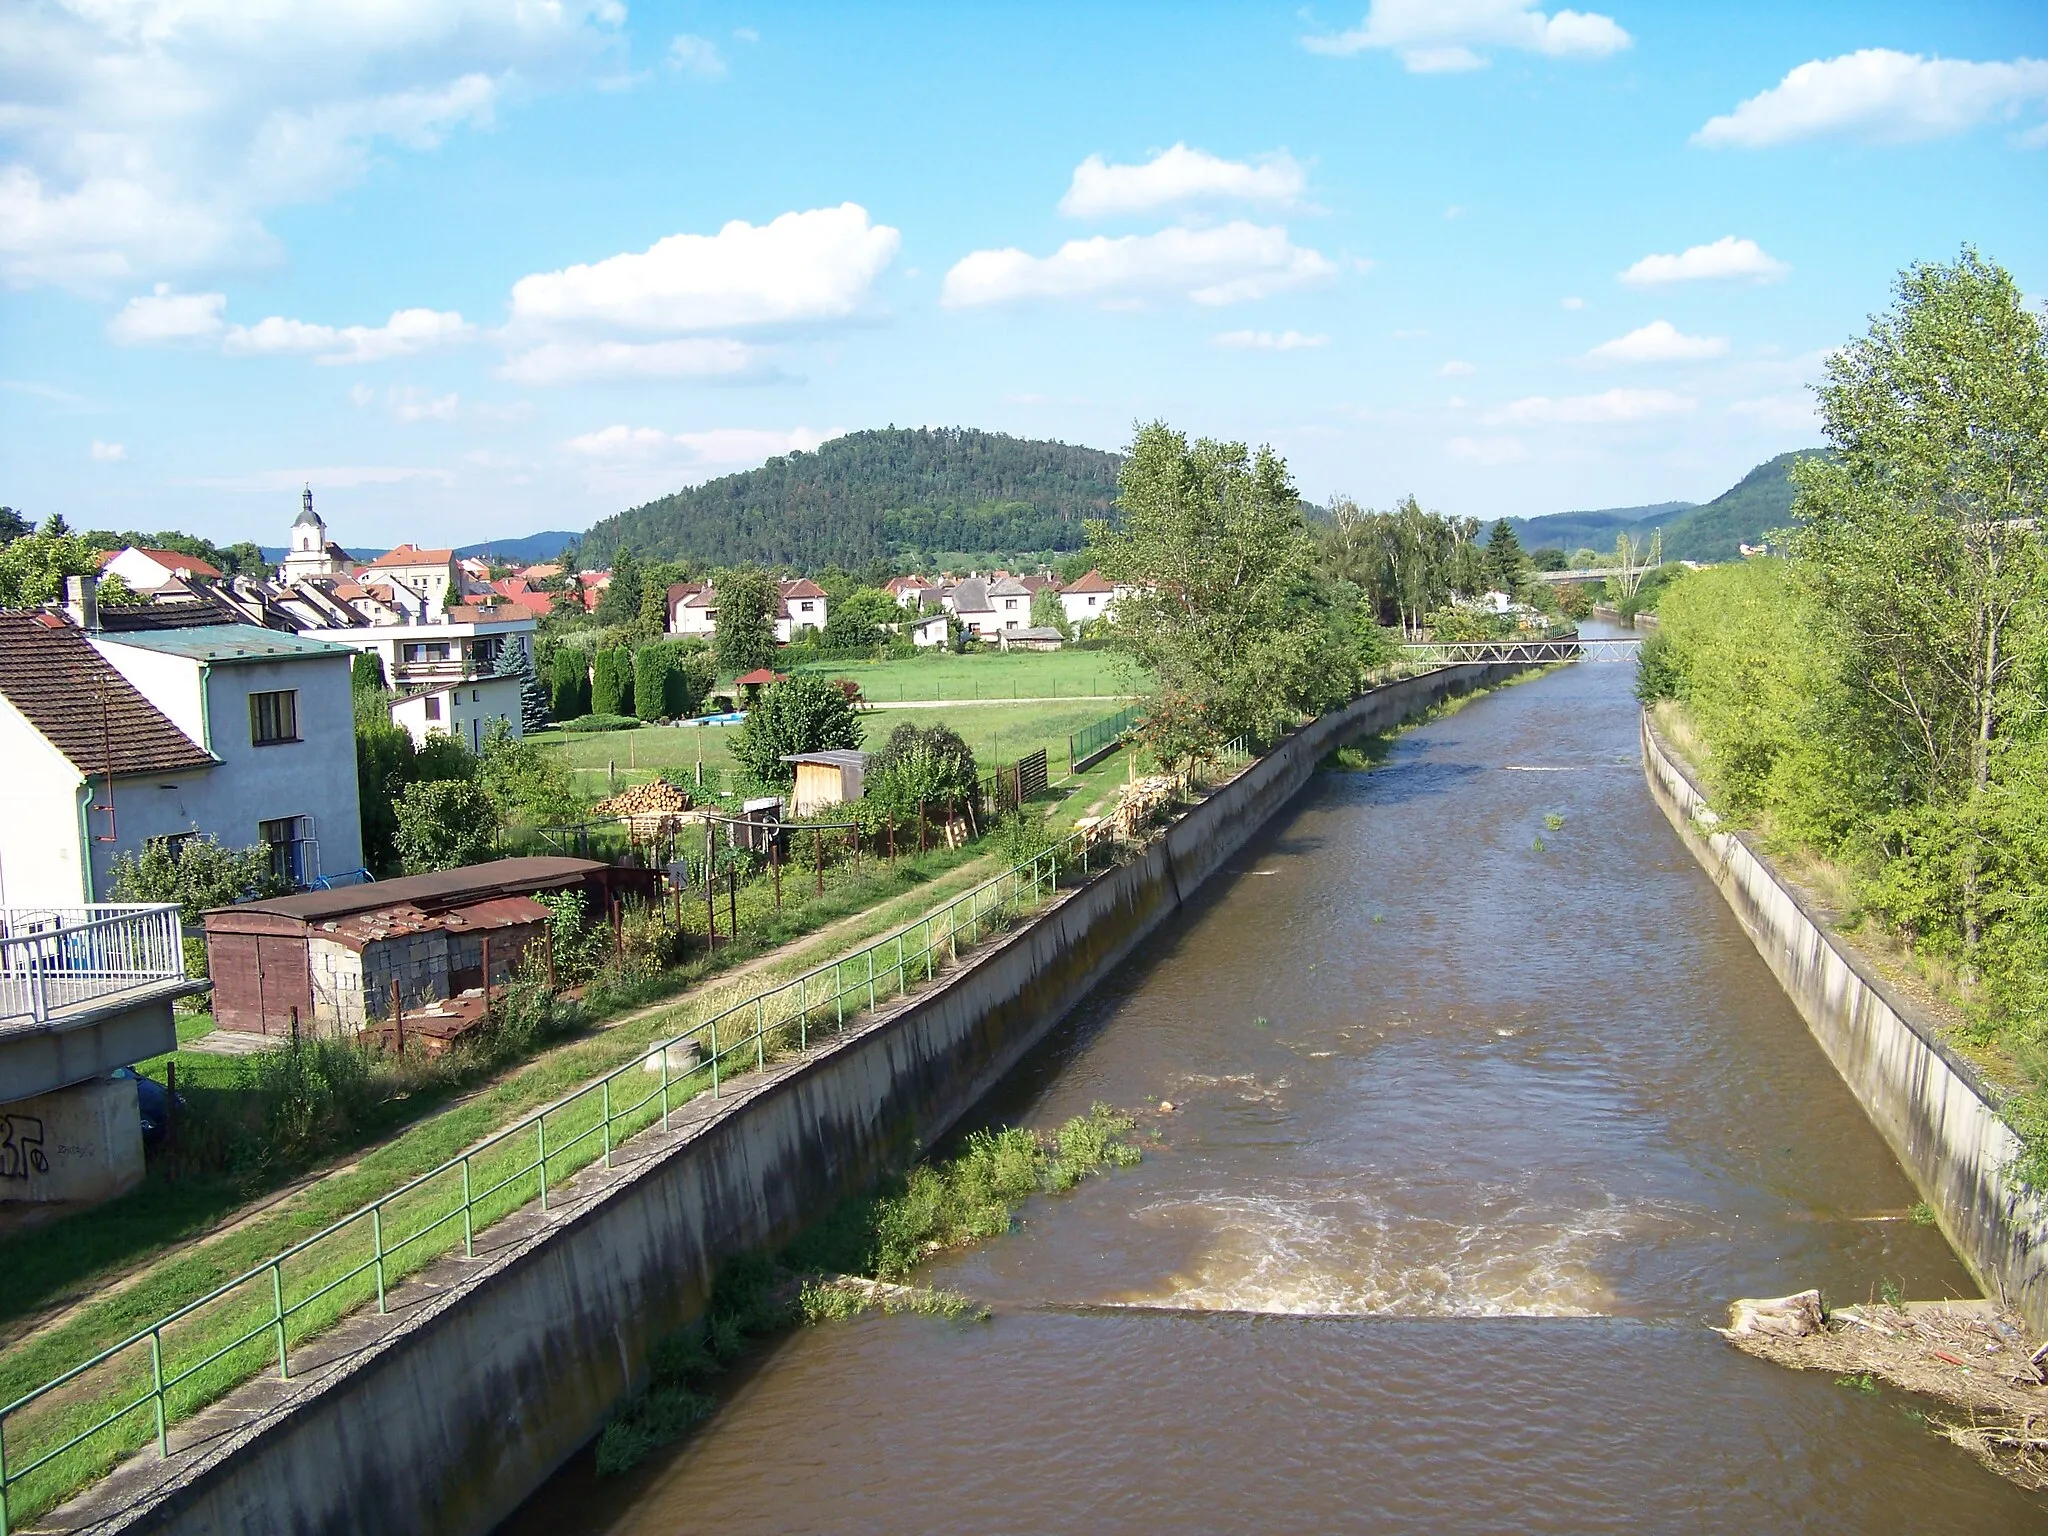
<point x="1478" y="1123"/>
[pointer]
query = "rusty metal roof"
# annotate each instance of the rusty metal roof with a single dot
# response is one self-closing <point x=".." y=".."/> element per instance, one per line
<point x="441" y="891"/>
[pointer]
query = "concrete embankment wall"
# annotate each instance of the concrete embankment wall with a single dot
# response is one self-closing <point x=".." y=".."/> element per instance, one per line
<point x="495" y="1371"/>
<point x="1935" y="1112"/>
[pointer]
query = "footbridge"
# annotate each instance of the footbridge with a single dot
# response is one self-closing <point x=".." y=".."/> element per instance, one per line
<point x="1537" y="650"/>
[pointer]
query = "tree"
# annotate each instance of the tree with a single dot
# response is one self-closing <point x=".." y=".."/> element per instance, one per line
<point x="804" y="713"/>
<point x="533" y="699"/>
<point x="384" y="762"/>
<point x="33" y="568"/>
<point x="858" y="621"/>
<point x="1223" y="606"/>
<point x="618" y="606"/>
<point x="444" y="824"/>
<point x="611" y="681"/>
<point x="651" y="666"/>
<point x="1048" y="612"/>
<point x="528" y="785"/>
<point x="199" y="873"/>
<point x="919" y="766"/>
<point x="12" y="525"/>
<point x="1920" y="540"/>
<point x="747" y="599"/>
<point x="1506" y="565"/>
<point x="569" y="684"/>
<point x="366" y="672"/>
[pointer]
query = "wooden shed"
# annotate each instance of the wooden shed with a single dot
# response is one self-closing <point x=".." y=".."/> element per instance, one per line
<point x="333" y="956"/>
<point x="826" y="779"/>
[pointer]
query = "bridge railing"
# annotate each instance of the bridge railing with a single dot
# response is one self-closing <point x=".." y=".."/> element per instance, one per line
<point x="54" y="958"/>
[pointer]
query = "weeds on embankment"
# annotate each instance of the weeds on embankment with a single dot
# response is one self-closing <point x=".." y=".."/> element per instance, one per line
<point x="845" y="1264"/>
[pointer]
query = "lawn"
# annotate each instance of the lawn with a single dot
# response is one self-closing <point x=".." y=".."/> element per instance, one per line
<point x="996" y="732"/>
<point x="989" y="675"/>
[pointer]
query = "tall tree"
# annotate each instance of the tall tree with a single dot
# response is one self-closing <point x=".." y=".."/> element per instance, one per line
<point x="747" y="598"/>
<point x="1921" y="536"/>
<point x="803" y="713"/>
<point x="1506" y="564"/>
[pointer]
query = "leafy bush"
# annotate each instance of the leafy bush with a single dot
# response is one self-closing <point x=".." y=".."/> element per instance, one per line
<point x="611" y="681"/>
<point x="804" y="713"/>
<point x="200" y="874"/>
<point x="569" y="683"/>
<point x="920" y="765"/>
<point x="528" y="785"/>
<point x="602" y="723"/>
<point x="443" y="824"/>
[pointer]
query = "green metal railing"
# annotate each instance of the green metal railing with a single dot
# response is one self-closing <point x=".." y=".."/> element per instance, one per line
<point x="1094" y="737"/>
<point x="101" y="1409"/>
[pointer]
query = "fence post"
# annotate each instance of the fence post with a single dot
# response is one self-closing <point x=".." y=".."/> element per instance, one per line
<point x="377" y="1245"/>
<point x="284" y="1372"/>
<point x="156" y="1371"/>
<point x="732" y="900"/>
<point x="664" y="1085"/>
<point x="714" y="1058"/>
<point x="540" y="1129"/>
<point x="760" y="1032"/>
<point x="607" y="1125"/>
<point x="871" y="978"/>
<point x="468" y="1214"/>
<point x="818" y="848"/>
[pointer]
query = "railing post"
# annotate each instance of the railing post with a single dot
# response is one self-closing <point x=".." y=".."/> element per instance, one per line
<point x="540" y="1130"/>
<point x="156" y="1372"/>
<point x="607" y="1125"/>
<point x="377" y="1241"/>
<point x="871" y="979"/>
<point x="664" y="1086"/>
<point x="284" y="1370"/>
<point x="803" y="1014"/>
<point x="714" y="1058"/>
<point x="760" y="1032"/>
<point x="468" y="1214"/>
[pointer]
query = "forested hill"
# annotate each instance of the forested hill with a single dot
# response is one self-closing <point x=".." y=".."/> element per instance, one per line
<point x="878" y="495"/>
<point x="1757" y="504"/>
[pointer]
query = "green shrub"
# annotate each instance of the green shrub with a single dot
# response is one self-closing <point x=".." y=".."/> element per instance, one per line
<point x="611" y="681"/>
<point x="444" y="824"/>
<point x="602" y="723"/>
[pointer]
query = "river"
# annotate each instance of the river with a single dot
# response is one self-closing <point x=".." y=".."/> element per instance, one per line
<point x="1483" y="1108"/>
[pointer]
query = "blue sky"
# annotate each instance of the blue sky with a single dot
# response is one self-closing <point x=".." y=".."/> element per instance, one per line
<point x="477" y="268"/>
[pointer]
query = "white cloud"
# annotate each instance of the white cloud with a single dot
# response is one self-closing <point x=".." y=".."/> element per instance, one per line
<point x="361" y="394"/>
<point x="1572" y="301"/>
<point x="1615" y="405"/>
<point x="718" y="447"/>
<point x="1178" y="176"/>
<point x="1442" y="36"/>
<point x="1726" y="257"/>
<point x="407" y="332"/>
<point x="108" y="453"/>
<point x="164" y="316"/>
<point x="1783" y="413"/>
<point x="1457" y="368"/>
<point x="150" y="137"/>
<point x="1659" y="342"/>
<point x="798" y="268"/>
<point x="332" y="476"/>
<point x="696" y="357"/>
<point x="698" y="56"/>
<point x="1882" y="96"/>
<point x="1488" y="450"/>
<point x="1223" y="265"/>
<point x="1270" y="341"/>
<point x="411" y="403"/>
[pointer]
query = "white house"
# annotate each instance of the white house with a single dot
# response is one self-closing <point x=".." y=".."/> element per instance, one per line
<point x="474" y="640"/>
<point x="972" y="606"/>
<point x="1011" y="601"/>
<point x="692" y="610"/>
<point x="931" y="629"/>
<point x="802" y="608"/>
<point x="146" y="570"/>
<point x="115" y="741"/>
<point x="1087" y="599"/>
<point x="466" y="711"/>
<point x="430" y="575"/>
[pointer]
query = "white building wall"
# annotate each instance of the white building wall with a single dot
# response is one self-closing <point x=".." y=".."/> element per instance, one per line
<point x="41" y="838"/>
<point x="467" y="712"/>
<point x="171" y="683"/>
<point x="1083" y="606"/>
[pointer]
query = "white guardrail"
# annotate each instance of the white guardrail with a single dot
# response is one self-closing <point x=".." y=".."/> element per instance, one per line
<point x="57" y="958"/>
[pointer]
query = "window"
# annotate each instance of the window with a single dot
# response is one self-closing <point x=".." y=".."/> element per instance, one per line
<point x="433" y="706"/>
<point x="174" y="843"/>
<point x="287" y="847"/>
<point x="273" y="717"/>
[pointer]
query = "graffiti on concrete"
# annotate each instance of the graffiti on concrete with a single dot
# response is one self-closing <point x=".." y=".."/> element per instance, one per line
<point x="21" y="1147"/>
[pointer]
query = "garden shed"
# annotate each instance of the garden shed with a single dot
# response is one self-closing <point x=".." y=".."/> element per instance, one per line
<point x="826" y="778"/>
<point x="333" y="956"/>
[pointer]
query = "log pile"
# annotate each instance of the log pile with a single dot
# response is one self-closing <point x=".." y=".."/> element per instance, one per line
<point x="1973" y="1356"/>
<point x="657" y="797"/>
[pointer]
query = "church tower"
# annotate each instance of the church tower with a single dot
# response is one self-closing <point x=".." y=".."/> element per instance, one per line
<point x="310" y="553"/>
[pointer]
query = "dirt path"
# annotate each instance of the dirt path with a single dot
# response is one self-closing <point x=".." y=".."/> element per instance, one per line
<point x="122" y="1277"/>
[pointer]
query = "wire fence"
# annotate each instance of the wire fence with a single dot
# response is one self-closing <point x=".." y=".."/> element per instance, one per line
<point x="76" y="1426"/>
<point x="1091" y="739"/>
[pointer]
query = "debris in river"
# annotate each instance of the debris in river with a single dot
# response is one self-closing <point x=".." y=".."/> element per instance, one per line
<point x="1971" y="1355"/>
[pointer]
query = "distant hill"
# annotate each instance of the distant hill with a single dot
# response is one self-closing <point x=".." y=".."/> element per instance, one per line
<point x="528" y="550"/>
<point x="876" y="495"/>
<point x="1757" y="504"/>
<point x="1573" y="531"/>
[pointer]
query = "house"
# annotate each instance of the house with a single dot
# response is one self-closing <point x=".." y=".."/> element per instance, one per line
<point x="311" y="553"/>
<point x="1011" y="600"/>
<point x="334" y="956"/>
<point x="692" y="609"/>
<point x="147" y="570"/>
<point x="472" y="640"/>
<point x="590" y="586"/>
<point x="826" y="778"/>
<point x="465" y="710"/>
<point x="1087" y="599"/>
<point x="932" y="629"/>
<point x="970" y="603"/>
<point x="115" y="740"/>
<point x="516" y="590"/>
<point x="431" y="576"/>
<point x="1044" y="638"/>
<point x="909" y="591"/>
<point x="802" y="607"/>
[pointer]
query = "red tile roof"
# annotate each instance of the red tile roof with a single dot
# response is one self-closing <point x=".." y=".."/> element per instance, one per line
<point x="1092" y="582"/>
<point x="758" y="675"/>
<point x="51" y="673"/>
<point x="169" y="559"/>
<point x="516" y="590"/>
<point x="406" y="554"/>
<point x="802" y="587"/>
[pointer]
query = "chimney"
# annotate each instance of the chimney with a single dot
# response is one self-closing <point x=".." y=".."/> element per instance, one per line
<point x="82" y="601"/>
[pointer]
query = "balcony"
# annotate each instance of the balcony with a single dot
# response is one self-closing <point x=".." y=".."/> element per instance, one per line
<point x="84" y="990"/>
